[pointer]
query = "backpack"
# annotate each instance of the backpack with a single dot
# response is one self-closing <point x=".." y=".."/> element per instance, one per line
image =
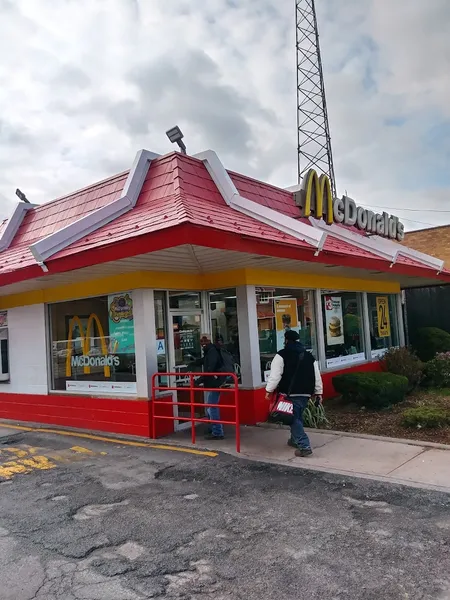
<point x="226" y="364"/>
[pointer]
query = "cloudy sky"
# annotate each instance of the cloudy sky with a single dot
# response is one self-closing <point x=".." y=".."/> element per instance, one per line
<point x="84" y="84"/>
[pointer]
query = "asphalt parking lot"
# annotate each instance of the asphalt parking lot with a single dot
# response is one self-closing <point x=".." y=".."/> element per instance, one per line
<point x="87" y="519"/>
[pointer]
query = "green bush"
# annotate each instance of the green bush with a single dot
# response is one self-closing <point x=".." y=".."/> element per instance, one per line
<point x="430" y="341"/>
<point x="426" y="416"/>
<point x="402" y="361"/>
<point x="437" y="371"/>
<point x="314" y="416"/>
<point x="371" y="390"/>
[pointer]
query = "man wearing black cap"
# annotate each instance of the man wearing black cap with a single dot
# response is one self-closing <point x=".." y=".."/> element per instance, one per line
<point x="295" y="372"/>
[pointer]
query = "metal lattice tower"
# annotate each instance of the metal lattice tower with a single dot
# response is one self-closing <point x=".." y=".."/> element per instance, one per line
<point x="313" y="132"/>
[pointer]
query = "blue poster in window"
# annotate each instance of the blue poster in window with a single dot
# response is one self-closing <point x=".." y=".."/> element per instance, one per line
<point x="121" y="323"/>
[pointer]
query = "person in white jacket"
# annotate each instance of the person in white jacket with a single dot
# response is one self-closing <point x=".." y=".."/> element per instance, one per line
<point x="295" y="372"/>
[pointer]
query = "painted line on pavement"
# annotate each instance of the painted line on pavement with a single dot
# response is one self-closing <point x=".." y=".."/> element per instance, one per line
<point x="99" y="438"/>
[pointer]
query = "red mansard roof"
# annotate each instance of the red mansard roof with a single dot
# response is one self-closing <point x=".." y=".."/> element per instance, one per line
<point x="177" y="192"/>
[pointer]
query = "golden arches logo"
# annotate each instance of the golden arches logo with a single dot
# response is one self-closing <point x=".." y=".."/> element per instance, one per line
<point x="315" y="198"/>
<point x="85" y="340"/>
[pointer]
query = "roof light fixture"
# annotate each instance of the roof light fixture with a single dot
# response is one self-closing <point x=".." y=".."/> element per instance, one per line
<point x="175" y="136"/>
<point x="22" y="196"/>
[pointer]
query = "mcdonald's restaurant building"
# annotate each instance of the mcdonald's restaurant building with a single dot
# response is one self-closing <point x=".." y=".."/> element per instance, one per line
<point x="106" y="286"/>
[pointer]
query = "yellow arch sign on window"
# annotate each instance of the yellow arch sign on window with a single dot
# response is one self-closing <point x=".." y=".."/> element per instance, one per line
<point x="86" y="361"/>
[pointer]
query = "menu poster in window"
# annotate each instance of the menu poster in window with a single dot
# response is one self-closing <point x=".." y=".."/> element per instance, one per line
<point x="384" y="322"/>
<point x="334" y="320"/>
<point x="286" y="317"/>
<point x="121" y="323"/>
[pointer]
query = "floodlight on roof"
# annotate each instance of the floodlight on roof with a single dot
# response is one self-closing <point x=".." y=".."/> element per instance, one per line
<point x="175" y="136"/>
<point x="22" y="196"/>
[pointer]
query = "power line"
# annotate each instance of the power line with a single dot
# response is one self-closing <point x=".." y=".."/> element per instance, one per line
<point x="420" y="222"/>
<point x="408" y="209"/>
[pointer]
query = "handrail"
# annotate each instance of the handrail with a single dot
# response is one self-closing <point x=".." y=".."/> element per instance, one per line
<point x="192" y="404"/>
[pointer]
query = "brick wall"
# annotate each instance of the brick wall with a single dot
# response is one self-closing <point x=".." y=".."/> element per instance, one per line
<point x="434" y="241"/>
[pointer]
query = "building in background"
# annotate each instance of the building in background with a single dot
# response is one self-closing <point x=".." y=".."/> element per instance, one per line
<point x="428" y="306"/>
<point x="106" y="286"/>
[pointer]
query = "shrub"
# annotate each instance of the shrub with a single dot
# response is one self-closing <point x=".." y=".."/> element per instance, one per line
<point x="402" y="361"/>
<point x="437" y="371"/>
<point x="371" y="390"/>
<point x="426" y="416"/>
<point x="314" y="416"/>
<point x="431" y="341"/>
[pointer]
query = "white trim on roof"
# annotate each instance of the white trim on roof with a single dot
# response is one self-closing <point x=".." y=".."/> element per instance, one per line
<point x="13" y="224"/>
<point x="50" y="245"/>
<point x="360" y="241"/>
<point x="378" y="245"/>
<point x="252" y="209"/>
<point x="426" y="259"/>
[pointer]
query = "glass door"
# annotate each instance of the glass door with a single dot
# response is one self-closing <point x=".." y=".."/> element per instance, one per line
<point x="186" y="358"/>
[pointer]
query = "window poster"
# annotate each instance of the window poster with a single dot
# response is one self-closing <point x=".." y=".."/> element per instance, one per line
<point x="334" y="320"/>
<point x="384" y="322"/>
<point x="286" y="317"/>
<point x="121" y="323"/>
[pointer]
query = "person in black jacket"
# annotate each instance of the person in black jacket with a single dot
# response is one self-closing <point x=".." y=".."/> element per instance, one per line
<point x="212" y="362"/>
<point x="296" y="371"/>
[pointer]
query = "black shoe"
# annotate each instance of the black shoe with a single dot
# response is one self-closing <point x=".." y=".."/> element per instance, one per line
<point x="210" y="436"/>
<point x="303" y="452"/>
<point x="291" y="443"/>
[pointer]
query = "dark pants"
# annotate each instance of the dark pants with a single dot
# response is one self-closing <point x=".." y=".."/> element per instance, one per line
<point x="298" y="434"/>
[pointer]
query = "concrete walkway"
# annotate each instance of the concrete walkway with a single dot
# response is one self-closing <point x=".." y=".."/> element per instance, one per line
<point x="398" y="461"/>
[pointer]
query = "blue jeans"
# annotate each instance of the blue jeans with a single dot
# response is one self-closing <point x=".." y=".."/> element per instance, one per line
<point x="298" y="434"/>
<point x="213" y="413"/>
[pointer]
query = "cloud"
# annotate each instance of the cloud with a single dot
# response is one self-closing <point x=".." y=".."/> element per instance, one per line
<point x="85" y="85"/>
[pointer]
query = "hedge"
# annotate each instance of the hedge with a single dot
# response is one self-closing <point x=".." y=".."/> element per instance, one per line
<point x="430" y="341"/>
<point x="371" y="390"/>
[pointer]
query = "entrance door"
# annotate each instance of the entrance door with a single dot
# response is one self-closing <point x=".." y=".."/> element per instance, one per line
<point x="186" y="358"/>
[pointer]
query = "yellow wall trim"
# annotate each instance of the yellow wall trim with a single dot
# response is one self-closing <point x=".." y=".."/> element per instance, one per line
<point x="187" y="281"/>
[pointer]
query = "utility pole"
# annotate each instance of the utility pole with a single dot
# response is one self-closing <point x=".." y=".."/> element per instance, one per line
<point x="313" y="132"/>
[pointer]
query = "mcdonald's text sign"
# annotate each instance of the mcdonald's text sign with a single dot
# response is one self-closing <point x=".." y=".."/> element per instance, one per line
<point x="86" y="360"/>
<point x="315" y="200"/>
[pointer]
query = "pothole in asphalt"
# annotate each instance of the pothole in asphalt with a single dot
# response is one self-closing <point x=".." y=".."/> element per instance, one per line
<point x="96" y="510"/>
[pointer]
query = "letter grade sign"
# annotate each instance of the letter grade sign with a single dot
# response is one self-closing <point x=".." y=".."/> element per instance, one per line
<point x="316" y="200"/>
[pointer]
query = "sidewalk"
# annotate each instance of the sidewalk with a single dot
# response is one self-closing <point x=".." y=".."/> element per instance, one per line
<point x="397" y="461"/>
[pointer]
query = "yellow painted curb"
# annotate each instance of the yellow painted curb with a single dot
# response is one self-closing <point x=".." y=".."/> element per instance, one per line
<point x="100" y="438"/>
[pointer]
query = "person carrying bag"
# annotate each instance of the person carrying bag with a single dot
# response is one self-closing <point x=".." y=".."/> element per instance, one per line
<point x="296" y="377"/>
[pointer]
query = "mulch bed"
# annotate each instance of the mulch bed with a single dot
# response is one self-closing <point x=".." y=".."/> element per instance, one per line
<point x="344" y="417"/>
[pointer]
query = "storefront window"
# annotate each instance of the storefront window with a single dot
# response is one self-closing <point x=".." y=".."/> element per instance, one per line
<point x="383" y="323"/>
<point x="343" y="328"/>
<point x="279" y="310"/>
<point x="184" y="300"/>
<point x="4" y="353"/>
<point x="92" y="345"/>
<point x="224" y="322"/>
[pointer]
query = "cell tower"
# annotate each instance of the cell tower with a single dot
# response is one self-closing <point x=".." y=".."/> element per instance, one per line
<point x="313" y="132"/>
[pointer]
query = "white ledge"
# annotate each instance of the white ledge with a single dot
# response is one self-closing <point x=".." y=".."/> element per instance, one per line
<point x="270" y="217"/>
<point x="13" y="224"/>
<point x="50" y="245"/>
<point x="360" y="241"/>
<point x="426" y="259"/>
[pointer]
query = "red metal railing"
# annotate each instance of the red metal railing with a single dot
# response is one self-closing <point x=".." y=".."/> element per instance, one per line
<point x="192" y="404"/>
